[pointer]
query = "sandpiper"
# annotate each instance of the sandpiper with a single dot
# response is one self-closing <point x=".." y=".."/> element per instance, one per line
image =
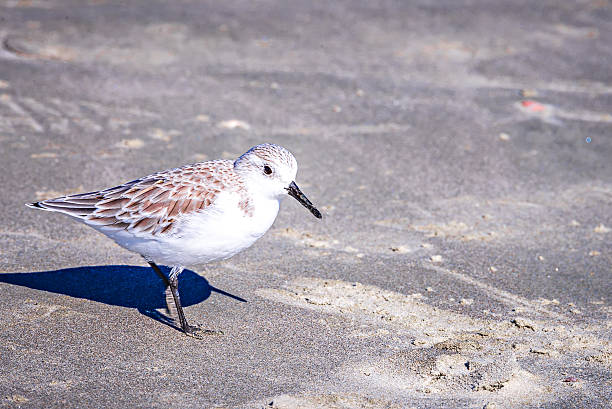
<point x="194" y="214"/>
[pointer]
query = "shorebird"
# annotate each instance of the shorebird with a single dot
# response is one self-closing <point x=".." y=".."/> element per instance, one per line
<point x="194" y="214"/>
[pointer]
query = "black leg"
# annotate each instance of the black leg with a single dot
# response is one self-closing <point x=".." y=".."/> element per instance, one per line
<point x="172" y="283"/>
<point x="161" y="275"/>
<point x="187" y="329"/>
<point x="158" y="272"/>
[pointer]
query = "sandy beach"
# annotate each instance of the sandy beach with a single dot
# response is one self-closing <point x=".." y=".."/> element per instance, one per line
<point x="460" y="152"/>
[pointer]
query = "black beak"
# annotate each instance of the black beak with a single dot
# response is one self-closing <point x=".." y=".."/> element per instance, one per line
<point x="294" y="191"/>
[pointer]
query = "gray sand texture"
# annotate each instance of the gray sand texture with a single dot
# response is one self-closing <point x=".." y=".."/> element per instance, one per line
<point x="460" y="151"/>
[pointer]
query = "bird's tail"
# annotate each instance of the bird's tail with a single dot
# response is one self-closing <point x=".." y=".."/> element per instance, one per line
<point x="78" y="206"/>
<point x="36" y="205"/>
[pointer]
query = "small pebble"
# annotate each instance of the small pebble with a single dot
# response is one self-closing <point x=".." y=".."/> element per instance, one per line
<point x="130" y="143"/>
<point x="234" y="124"/>
<point x="533" y="106"/>
<point x="200" y="156"/>
<point x="528" y="93"/>
<point x="542" y="351"/>
<point x="523" y="323"/>
<point x="436" y="258"/>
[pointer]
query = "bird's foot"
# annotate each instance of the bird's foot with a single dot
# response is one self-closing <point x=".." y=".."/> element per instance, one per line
<point x="198" y="332"/>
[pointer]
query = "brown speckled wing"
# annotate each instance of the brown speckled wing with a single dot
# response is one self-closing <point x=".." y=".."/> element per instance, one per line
<point x="153" y="204"/>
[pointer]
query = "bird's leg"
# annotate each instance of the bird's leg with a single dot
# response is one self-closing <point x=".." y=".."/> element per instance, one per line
<point x="161" y="275"/>
<point x="172" y="283"/>
<point x="191" y="330"/>
<point x="157" y="271"/>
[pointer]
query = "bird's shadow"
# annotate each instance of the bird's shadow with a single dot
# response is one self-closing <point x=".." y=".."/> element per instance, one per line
<point x="121" y="285"/>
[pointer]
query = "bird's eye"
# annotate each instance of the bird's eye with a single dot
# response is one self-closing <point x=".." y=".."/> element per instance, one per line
<point x="267" y="170"/>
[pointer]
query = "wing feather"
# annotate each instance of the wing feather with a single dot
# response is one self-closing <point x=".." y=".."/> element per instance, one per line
<point x="152" y="204"/>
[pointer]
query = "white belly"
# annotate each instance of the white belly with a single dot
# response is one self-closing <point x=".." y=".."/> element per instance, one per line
<point x="216" y="234"/>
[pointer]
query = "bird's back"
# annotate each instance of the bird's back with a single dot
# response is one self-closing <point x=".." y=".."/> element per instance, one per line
<point x="153" y="205"/>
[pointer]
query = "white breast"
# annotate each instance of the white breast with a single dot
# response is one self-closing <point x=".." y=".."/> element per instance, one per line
<point x="218" y="233"/>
